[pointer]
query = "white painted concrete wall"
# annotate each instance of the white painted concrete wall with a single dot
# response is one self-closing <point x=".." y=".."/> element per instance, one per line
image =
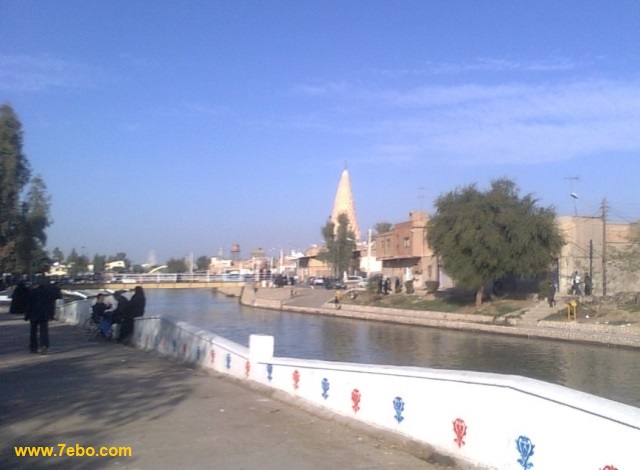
<point x="491" y="420"/>
<point x="73" y="313"/>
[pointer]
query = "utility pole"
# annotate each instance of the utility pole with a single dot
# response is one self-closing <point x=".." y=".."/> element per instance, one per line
<point x="591" y="259"/>
<point x="369" y="254"/>
<point x="604" y="247"/>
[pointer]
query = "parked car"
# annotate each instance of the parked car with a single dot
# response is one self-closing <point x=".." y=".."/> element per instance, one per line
<point x="353" y="281"/>
<point x="335" y="283"/>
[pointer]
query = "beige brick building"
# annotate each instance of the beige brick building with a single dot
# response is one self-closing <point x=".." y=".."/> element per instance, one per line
<point x="405" y="254"/>
<point x="585" y="252"/>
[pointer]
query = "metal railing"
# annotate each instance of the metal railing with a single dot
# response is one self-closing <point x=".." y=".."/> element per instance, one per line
<point x="158" y="278"/>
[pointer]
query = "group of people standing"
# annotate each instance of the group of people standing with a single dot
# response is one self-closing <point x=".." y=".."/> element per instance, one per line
<point x="577" y="280"/>
<point x="38" y="304"/>
<point x="123" y="315"/>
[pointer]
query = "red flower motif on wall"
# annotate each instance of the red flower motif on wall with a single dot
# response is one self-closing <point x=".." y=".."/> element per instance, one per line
<point x="213" y="355"/>
<point x="355" y="398"/>
<point x="609" y="467"/>
<point x="247" y="368"/>
<point x="460" y="430"/>
<point x="296" y="379"/>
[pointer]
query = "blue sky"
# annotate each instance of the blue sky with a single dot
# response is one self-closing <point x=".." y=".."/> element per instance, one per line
<point x="187" y="126"/>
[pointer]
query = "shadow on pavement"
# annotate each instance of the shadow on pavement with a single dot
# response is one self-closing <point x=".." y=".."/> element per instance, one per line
<point x="88" y="387"/>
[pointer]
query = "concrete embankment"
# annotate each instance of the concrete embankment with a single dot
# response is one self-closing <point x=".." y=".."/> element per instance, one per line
<point x="480" y="419"/>
<point x="100" y="394"/>
<point x="313" y="301"/>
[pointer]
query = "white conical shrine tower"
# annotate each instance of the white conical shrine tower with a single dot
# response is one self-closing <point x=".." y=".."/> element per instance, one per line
<point x="343" y="204"/>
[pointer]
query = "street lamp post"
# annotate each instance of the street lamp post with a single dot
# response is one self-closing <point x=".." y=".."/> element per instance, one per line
<point x="369" y="253"/>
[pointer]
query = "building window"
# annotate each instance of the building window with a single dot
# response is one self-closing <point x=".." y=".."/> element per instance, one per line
<point x="406" y="243"/>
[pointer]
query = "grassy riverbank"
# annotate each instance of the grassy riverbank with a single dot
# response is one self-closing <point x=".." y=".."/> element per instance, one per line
<point x="450" y="302"/>
<point x="615" y="310"/>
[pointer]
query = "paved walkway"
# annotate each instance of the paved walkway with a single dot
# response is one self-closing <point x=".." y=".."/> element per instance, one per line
<point x="103" y="394"/>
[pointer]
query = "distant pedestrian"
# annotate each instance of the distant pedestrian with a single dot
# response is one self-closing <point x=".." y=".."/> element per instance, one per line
<point x="588" y="284"/>
<point x="551" y="295"/>
<point x="120" y="313"/>
<point x="336" y="300"/>
<point x="138" y="302"/>
<point x="575" y="285"/>
<point x="42" y="309"/>
<point x="134" y="309"/>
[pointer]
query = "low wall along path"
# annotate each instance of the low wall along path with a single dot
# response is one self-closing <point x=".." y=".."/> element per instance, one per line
<point x="493" y="421"/>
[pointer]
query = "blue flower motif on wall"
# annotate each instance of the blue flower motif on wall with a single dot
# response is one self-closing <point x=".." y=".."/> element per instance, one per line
<point x="198" y="353"/>
<point x="325" y="388"/>
<point x="156" y="340"/>
<point x="228" y="361"/>
<point x="174" y="345"/>
<point x="525" y="447"/>
<point x="398" y="405"/>
<point x="269" y="372"/>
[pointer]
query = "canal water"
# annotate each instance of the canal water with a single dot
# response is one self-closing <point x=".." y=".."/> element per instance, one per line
<point x="609" y="372"/>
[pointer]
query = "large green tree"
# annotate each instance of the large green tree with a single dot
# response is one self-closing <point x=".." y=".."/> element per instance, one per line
<point x="31" y="236"/>
<point x="203" y="263"/>
<point x="176" y="266"/>
<point x="78" y="264"/>
<point x="22" y="222"/>
<point x="99" y="262"/>
<point x="57" y="254"/>
<point x="14" y="175"/>
<point x="339" y="244"/>
<point x="483" y="236"/>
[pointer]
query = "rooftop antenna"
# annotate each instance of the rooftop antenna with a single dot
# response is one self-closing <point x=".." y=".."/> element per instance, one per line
<point x="573" y="193"/>
<point x="421" y="197"/>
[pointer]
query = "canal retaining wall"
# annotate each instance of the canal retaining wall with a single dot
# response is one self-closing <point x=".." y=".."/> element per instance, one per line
<point x="619" y="335"/>
<point x="489" y="420"/>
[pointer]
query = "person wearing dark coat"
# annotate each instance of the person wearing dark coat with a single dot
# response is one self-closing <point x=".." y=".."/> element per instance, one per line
<point x="120" y="313"/>
<point x="551" y="295"/>
<point x="42" y="309"/>
<point x="20" y="299"/>
<point x="137" y="303"/>
<point x="135" y="309"/>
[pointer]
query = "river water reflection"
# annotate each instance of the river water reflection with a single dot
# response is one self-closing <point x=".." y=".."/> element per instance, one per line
<point x="608" y="372"/>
